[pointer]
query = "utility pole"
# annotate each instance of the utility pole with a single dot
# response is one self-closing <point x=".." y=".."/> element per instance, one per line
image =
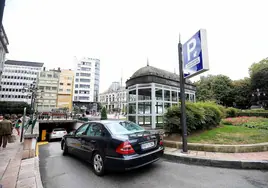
<point x="182" y="98"/>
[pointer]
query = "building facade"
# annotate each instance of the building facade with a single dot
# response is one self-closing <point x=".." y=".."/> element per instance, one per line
<point x="47" y="93"/>
<point x="65" y="89"/>
<point x="150" y="92"/>
<point x="86" y="82"/>
<point x="115" y="98"/>
<point x="16" y="78"/>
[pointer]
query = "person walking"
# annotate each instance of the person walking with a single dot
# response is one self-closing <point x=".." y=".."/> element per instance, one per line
<point x="5" y="130"/>
<point x="17" y="126"/>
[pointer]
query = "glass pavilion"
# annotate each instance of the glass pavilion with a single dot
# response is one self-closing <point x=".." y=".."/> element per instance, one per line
<point x="150" y="92"/>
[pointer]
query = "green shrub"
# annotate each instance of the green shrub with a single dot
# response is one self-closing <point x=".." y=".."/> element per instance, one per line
<point x="223" y="111"/>
<point x="103" y="114"/>
<point x="231" y="112"/>
<point x="253" y="114"/>
<point x="198" y="116"/>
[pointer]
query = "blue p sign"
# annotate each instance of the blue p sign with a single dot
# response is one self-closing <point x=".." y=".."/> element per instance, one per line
<point x="194" y="52"/>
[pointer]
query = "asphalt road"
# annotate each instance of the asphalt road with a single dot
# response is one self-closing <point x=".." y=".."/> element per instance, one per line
<point x="58" y="171"/>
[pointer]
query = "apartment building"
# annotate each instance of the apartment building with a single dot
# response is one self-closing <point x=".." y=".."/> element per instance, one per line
<point x="16" y="79"/>
<point x="86" y="90"/>
<point x="65" y="89"/>
<point x="3" y="49"/>
<point x="47" y="93"/>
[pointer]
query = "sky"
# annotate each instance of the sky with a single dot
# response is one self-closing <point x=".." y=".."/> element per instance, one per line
<point x="123" y="34"/>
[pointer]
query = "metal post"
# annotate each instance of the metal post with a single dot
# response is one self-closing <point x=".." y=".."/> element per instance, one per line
<point x="183" y="109"/>
<point x="23" y="123"/>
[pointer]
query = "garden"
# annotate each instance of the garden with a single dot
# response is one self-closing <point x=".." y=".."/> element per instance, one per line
<point x="210" y="123"/>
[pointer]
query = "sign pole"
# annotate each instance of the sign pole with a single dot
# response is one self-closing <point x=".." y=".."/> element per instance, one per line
<point x="23" y="123"/>
<point x="182" y="98"/>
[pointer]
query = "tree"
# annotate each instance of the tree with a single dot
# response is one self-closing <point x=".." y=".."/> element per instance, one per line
<point x="259" y="80"/>
<point x="7" y="107"/>
<point x="103" y="114"/>
<point x="217" y="88"/>
<point x="242" y="92"/>
<point x="203" y="89"/>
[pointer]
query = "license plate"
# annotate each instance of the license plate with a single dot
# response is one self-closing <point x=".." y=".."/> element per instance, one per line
<point x="147" y="145"/>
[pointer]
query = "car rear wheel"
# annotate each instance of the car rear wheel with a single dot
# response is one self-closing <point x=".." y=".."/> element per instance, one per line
<point x="64" y="148"/>
<point x="98" y="164"/>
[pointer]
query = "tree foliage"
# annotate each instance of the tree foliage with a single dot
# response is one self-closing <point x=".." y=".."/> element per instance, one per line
<point x="7" y="107"/>
<point x="103" y="114"/>
<point x="242" y="92"/>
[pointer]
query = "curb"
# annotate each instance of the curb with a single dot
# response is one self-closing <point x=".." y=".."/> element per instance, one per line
<point x="245" y="148"/>
<point x="236" y="164"/>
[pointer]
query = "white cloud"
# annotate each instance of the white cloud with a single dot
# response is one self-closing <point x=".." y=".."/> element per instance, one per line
<point x="124" y="33"/>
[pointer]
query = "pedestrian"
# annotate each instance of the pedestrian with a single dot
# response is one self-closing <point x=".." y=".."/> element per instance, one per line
<point x="5" y="130"/>
<point x="17" y="126"/>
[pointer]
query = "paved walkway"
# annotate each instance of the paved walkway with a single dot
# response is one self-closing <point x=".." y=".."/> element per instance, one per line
<point x="262" y="156"/>
<point x="17" y="173"/>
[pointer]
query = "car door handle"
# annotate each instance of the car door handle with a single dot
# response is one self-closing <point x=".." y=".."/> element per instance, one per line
<point x="93" y="141"/>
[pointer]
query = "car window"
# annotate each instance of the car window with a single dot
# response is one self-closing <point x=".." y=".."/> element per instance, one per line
<point x="124" y="127"/>
<point x="94" y="129"/>
<point x="59" y="129"/>
<point x="81" y="130"/>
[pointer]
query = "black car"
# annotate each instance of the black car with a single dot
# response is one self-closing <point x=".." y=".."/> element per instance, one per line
<point x="113" y="145"/>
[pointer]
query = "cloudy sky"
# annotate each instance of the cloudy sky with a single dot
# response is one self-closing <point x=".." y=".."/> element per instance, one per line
<point x="122" y="33"/>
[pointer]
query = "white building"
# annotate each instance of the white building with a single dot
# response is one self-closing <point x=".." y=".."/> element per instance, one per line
<point x="17" y="76"/>
<point x="47" y="93"/>
<point x="86" y="82"/>
<point x="3" y="49"/>
<point x="115" y="98"/>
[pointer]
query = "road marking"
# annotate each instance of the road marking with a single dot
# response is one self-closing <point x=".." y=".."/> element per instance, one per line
<point x="37" y="147"/>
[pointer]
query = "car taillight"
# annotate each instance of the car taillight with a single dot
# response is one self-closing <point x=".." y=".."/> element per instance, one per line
<point x="53" y="132"/>
<point x="64" y="132"/>
<point x="161" y="140"/>
<point x="125" y="148"/>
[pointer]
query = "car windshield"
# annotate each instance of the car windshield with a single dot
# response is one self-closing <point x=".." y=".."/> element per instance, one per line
<point x="125" y="127"/>
<point x="59" y="129"/>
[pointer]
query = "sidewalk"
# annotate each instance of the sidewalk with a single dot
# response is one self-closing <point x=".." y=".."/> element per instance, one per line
<point x="17" y="173"/>
<point x="254" y="160"/>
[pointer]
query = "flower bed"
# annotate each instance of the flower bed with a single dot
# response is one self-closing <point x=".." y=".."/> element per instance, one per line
<point x="250" y="122"/>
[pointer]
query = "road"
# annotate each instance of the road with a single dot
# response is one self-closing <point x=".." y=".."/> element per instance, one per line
<point x="58" y="171"/>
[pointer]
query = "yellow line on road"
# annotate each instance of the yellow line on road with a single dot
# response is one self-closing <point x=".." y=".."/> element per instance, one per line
<point x="37" y="147"/>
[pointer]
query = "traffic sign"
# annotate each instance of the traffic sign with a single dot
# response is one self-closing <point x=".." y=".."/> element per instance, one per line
<point x="195" y="55"/>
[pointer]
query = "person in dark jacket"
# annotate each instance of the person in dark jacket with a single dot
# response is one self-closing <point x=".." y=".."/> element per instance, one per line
<point x="5" y="130"/>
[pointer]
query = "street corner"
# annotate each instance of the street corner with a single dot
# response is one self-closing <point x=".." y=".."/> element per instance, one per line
<point x="37" y="147"/>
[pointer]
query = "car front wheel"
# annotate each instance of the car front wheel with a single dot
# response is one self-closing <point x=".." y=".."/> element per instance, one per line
<point x="98" y="164"/>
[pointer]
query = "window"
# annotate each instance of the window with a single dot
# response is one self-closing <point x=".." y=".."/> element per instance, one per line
<point x="144" y="94"/>
<point x="81" y="130"/>
<point x="76" y="92"/>
<point x="68" y="84"/>
<point x="76" y="85"/>
<point x="85" y="74"/>
<point x="54" y="88"/>
<point x="61" y="84"/>
<point x="60" y="89"/>
<point x="132" y="95"/>
<point x="126" y="127"/>
<point x="174" y="96"/>
<point x="77" y="74"/>
<point x="85" y="69"/>
<point x="77" y="80"/>
<point x="167" y="95"/>
<point x="95" y="130"/>
<point x="84" y="80"/>
<point x="49" y="76"/>
<point x="68" y="90"/>
<point x="132" y="108"/>
<point x="158" y="94"/>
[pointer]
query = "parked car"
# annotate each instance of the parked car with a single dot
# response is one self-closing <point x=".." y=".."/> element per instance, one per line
<point x="57" y="133"/>
<point x="113" y="145"/>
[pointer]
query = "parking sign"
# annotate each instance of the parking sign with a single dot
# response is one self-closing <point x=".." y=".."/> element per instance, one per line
<point x="195" y="55"/>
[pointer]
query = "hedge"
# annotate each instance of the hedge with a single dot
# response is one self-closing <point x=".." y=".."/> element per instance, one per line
<point x="199" y="116"/>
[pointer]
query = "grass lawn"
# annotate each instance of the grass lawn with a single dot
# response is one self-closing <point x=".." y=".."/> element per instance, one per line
<point x="228" y="134"/>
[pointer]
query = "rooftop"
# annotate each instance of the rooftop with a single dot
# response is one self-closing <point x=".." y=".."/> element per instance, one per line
<point x="24" y="63"/>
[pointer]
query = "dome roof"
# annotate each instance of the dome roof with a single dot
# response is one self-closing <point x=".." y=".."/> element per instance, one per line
<point x="149" y="70"/>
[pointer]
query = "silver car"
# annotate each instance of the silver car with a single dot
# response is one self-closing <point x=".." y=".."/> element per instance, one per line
<point x="57" y="133"/>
